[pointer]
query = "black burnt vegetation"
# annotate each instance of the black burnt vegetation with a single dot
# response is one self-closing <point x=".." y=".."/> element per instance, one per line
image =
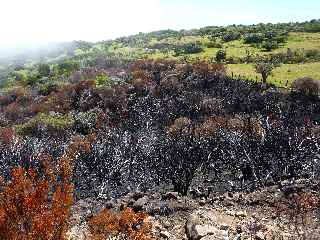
<point x="165" y="123"/>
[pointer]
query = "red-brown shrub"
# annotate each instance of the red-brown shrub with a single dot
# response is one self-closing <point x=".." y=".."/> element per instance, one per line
<point x="181" y="126"/>
<point x="36" y="207"/>
<point x="205" y="69"/>
<point x="7" y="136"/>
<point x="127" y="223"/>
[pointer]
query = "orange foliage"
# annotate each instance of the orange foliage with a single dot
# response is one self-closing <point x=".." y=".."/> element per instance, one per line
<point x="206" y="69"/>
<point x="7" y="136"/>
<point x="181" y="126"/>
<point x="128" y="223"/>
<point x="36" y="207"/>
<point x="141" y="74"/>
<point x="28" y="209"/>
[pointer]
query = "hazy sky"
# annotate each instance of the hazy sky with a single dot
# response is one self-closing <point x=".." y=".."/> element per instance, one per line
<point x="40" y="21"/>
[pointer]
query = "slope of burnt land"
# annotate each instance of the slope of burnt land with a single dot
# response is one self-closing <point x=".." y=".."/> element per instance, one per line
<point x="168" y="125"/>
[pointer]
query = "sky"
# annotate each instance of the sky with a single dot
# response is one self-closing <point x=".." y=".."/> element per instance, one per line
<point x="41" y="21"/>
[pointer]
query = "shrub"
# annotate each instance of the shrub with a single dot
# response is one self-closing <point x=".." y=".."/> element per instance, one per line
<point x="102" y="79"/>
<point x="128" y="224"/>
<point x="270" y="45"/>
<point x="41" y="123"/>
<point x="265" y="68"/>
<point x="307" y="86"/>
<point x="213" y="44"/>
<point x="44" y="70"/>
<point x="34" y="206"/>
<point x="7" y="135"/>
<point x="221" y="55"/>
<point x="189" y="48"/>
<point x="206" y="70"/>
<point x="253" y="38"/>
<point x="231" y="36"/>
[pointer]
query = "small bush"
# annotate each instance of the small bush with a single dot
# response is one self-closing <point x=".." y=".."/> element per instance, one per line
<point x="213" y="44"/>
<point x="44" y="122"/>
<point x="102" y="79"/>
<point x="221" y="55"/>
<point x="128" y="224"/>
<point x="189" y="48"/>
<point x="34" y="206"/>
<point x="231" y="36"/>
<point x="253" y="38"/>
<point x="181" y="126"/>
<point x="307" y="86"/>
<point x="270" y="45"/>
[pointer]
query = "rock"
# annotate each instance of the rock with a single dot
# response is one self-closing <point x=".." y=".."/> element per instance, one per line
<point x="241" y="214"/>
<point x="259" y="236"/>
<point x="195" y="230"/>
<point x="202" y="202"/>
<point x="170" y="196"/>
<point x="165" y="234"/>
<point x="224" y="226"/>
<point x="190" y="228"/>
<point x="140" y="203"/>
<point x="109" y="204"/>
<point x="137" y="195"/>
<point x="230" y="213"/>
<point x="216" y="235"/>
<point x="166" y="224"/>
<point x="204" y="230"/>
<point x="237" y="237"/>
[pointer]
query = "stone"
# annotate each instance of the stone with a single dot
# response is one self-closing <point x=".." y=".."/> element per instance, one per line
<point x="260" y="236"/>
<point x="230" y="213"/>
<point x="190" y="228"/>
<point x="241" y="214"/>
<point x="204" y="230"/>
<point x="202" y="202"/>
<point x="109" y="204"/>
<point x="237" y="237"/>
<point x="224" y="226"/>
<point x="165" y="234"/>
<point x="140" y="203"/>
<point x="137" y="195"/>
<point x="170" y="196"/>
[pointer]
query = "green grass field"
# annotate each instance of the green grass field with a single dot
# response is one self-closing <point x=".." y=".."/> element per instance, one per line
<point x="286" y="73"/>
<point x="282" y="76"/>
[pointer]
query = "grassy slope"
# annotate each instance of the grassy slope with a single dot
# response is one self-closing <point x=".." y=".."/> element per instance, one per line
<point x="280" y="76"/>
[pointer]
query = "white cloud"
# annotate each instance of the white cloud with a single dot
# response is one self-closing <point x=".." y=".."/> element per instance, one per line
<point x="65" y="20"/>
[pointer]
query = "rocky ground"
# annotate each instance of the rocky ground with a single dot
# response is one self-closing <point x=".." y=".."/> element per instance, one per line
<point x="265" y="214"/>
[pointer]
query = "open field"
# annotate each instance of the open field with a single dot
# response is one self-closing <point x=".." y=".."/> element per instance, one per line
<point x="286" y="73"/>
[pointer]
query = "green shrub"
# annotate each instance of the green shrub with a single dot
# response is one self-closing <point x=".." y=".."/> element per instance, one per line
<point x="221" y="55"/>
<point x="188" y="48"/>
<point x="231" y="36"/>
<point x="102" y="79"/>
<point x="45" y="122"/>
<point x="47" y="87"/>
<point x="213" y="44"/>
<point x="253" y="38"/>
<point x="270" y="45"/>
<point x="44" y="70"/>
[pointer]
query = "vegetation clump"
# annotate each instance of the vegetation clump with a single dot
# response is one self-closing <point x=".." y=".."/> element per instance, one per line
<point x="54" y="124"/>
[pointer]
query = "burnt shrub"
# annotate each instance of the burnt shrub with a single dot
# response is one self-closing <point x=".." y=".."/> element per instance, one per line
<point x="307" y="86"/>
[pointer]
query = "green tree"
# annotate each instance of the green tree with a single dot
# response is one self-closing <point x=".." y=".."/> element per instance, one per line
<point x="265" y="68"/>
<point x="221" y="55"/>
<point x="44" y="70"/>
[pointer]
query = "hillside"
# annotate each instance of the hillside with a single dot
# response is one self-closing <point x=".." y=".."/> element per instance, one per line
<point x="165" y="135"/>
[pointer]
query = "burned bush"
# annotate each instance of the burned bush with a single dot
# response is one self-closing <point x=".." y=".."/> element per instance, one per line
<point x="169" y="123"/>
<point x="307" y="86"/>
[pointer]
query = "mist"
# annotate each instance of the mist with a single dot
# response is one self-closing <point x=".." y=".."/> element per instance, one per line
<point x="30" y="26"/>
